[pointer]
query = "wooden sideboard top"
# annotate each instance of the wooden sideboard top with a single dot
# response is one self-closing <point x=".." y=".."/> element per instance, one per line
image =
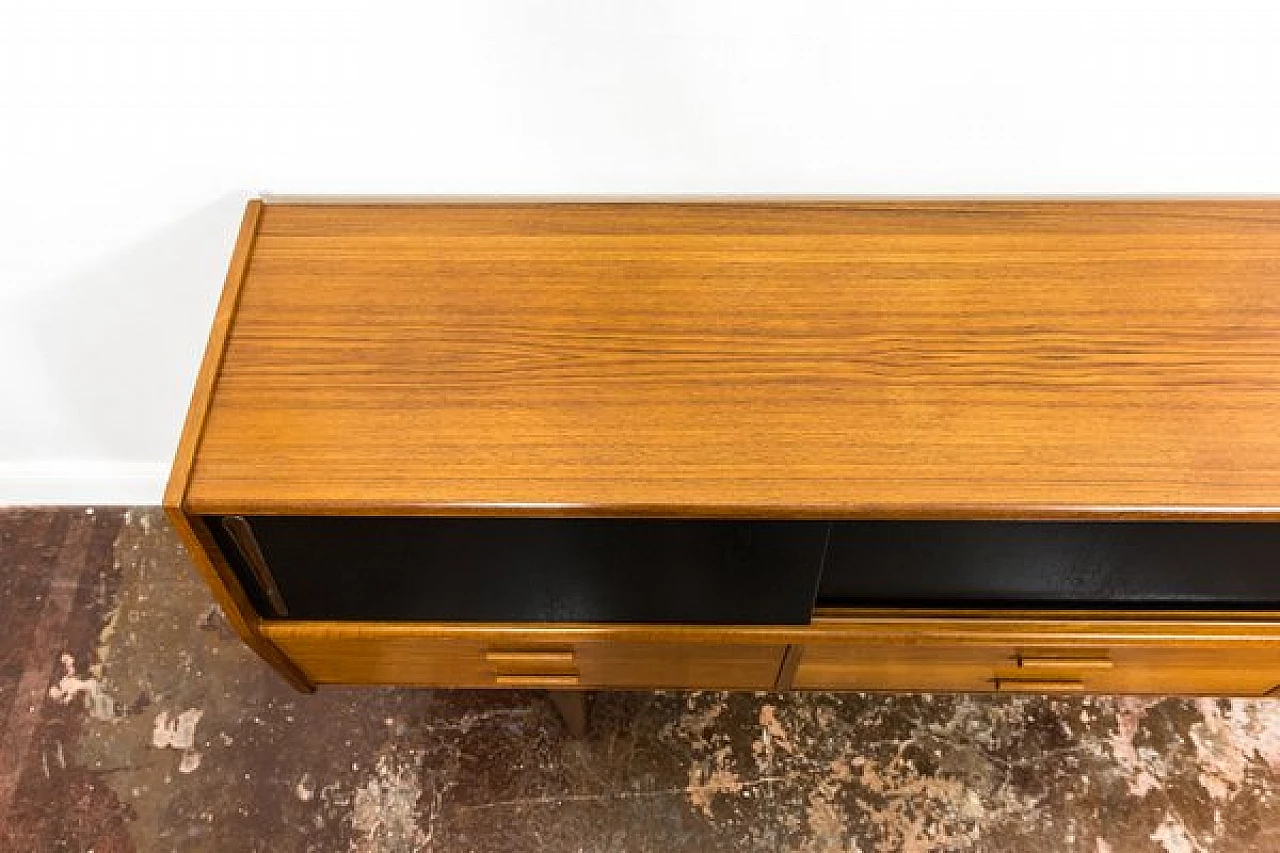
<point x="878" y="359"/>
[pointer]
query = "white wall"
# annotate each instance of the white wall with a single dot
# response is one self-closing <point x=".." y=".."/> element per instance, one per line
<point x="131" y="137"/>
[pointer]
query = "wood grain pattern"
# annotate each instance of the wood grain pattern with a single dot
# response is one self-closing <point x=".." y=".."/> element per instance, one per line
<point x="1202" y="654"/>
<point x="807" y="359"/>
<point x="1028" y="629"/>
<point x="215" y="349"/>
<point x="1137" y="669"/>
<point x="195" y="537"/>
<point x="939" y="359"/>
<point x="441" y="659"/>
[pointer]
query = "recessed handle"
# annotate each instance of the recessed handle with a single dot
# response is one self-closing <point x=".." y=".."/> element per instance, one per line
<point x="1040" y="685"/>
<point x="1064" y="662"/>
<point x="569" y="680"/>
<point x="529" y="658"/>
<point x="237" y="527"/>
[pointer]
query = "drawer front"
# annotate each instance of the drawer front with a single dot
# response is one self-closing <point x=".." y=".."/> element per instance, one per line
<point x="692" y="667"/>
<point x="434" y="662"/>
<point x="658" y="571"/>
<point x="1210" y="671"/>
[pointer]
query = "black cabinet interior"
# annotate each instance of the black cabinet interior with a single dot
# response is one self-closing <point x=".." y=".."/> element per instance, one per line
<point x="534" y="569"/>
<point x="735" y="572"/>
<point x="1059" y="564"/>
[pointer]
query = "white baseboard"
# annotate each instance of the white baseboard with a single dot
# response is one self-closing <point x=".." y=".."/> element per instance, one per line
<point x="82" y="483"/>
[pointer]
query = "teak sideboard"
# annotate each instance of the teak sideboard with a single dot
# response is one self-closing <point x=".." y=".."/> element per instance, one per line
<point x="865" y="445"/>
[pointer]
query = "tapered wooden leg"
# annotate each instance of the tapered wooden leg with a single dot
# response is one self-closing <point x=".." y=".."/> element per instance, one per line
<point x="572" y="705"/>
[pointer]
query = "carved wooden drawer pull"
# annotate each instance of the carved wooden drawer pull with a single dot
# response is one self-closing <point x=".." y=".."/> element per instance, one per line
<point x="1063" y="662"/>
<point x="533" y="667"/>
<point x="237" y="527"/>
<point x="536" y="680"/>
<point x="529" y="658"/>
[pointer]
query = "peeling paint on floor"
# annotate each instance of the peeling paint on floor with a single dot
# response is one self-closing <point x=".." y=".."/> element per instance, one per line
<point x="96" y="701"/>
<point x="135" y="720"/>
<point x="384" y="811"/>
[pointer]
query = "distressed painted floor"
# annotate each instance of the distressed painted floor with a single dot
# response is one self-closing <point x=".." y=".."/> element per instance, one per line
<point x="131" y="719"/>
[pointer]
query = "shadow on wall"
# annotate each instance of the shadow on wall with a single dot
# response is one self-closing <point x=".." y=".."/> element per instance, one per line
<point x="119" y="342"/>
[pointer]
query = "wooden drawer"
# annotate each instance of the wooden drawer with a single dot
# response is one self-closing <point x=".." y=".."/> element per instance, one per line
<point x="335" y="658"/>
<point x="1132" y="669"/>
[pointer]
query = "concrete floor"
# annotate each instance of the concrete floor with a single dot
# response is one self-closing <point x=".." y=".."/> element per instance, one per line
<point x="132" y="719"/>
